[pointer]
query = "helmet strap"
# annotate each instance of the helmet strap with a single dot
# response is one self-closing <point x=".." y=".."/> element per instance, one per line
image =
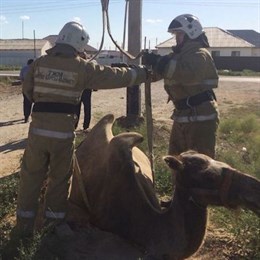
<point x="177" y="48"/>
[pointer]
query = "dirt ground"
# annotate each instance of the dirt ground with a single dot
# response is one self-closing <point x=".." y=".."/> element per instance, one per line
<point x="232" y="92"/>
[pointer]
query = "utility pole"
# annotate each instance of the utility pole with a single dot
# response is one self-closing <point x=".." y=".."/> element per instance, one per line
<point x="22" y="29"/>
<point x="34" y="44"/>
<point x="133" y="117"/>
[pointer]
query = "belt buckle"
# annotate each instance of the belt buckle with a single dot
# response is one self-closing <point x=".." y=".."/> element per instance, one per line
<point x="188" y="102"/>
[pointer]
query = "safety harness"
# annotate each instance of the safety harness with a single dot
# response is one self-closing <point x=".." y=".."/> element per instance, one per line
<point x="54" y="107"/>
<point x="195" y="100"/>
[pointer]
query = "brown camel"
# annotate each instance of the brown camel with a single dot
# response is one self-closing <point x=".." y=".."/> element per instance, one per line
<point x="118" y="183"/>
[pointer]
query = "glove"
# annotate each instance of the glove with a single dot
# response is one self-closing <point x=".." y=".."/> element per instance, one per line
<point x="119" y="65"/>
<point x="150" y="59"/>
<point x="162" y="62"/>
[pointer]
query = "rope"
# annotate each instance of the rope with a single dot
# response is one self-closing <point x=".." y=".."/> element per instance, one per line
<point x="149" y="121"/>
<point x="127" y="54"/>
<point x="148" y="104"/>
<point x="78" y="174"/>
<point x="104" y="4"/>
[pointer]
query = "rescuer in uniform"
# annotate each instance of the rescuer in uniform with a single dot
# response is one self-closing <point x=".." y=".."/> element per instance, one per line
<point x="189" y="76"/>
<point x="86" y="101"/>
<point x="54" y="84"/>
<point x="27" y="104"/>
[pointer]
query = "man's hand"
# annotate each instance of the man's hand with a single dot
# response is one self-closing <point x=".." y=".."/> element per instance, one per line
<point x="150" y="59"/>
<point x="162" y="63"/>
<point x="119" y="65"/>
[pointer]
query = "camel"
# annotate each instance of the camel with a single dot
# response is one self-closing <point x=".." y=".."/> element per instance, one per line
<point x="117" y="180"/>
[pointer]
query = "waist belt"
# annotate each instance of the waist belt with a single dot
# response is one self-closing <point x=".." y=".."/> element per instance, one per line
<point x="195" y="100"/>
<point x="51" y="107"/>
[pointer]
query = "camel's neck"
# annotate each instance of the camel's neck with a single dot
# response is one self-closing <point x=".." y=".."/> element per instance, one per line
<point x="194" y="217"/>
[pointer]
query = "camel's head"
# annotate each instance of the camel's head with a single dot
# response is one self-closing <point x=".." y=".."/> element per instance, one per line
<point x="210" y="182"/>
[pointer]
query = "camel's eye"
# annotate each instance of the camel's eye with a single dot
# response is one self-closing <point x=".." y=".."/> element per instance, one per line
<point x="196" y="163"/>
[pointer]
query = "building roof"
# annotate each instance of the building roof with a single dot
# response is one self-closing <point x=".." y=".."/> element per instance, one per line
<point x="218" y="38"/>
<point x="52" y="39"/>
<point x="22" y="44"/>
<point x="250" y="36"/>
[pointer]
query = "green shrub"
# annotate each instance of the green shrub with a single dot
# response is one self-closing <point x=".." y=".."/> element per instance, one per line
<point x="249" y="124"/>
<point x="227" y="126"/>
<point x="8" y="194"/>
<point x="9" y="67"/>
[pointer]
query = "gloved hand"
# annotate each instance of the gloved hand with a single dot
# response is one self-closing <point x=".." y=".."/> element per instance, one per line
<point x="150" y="59"/>
<point x="161" y="64"/>
<point x="119" y="65"/>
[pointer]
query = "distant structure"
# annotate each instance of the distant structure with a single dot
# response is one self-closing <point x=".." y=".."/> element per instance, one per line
<point x="250" y="36"/>
<point x="234" y="50"/>
<point x="222" y="43"/>
<point x="107" y="57"/>
<point x="16" y="52"/>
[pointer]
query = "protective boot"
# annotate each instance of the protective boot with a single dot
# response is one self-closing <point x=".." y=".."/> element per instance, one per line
<point x="24" y="228"/>
<point x="60" y="228"/>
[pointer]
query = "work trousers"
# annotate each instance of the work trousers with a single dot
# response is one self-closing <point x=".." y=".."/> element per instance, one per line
<point x="27" y="107"/>
<point x="198" y="136"/>
<point x="45" y="157"/>
<point x="86" y="100"/>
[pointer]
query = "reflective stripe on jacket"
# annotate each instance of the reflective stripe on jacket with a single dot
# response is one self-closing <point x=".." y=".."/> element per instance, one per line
<point x="61" y="76"/>
<point x="189" y="73"/>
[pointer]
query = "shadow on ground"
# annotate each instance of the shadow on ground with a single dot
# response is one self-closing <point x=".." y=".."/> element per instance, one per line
<point x="12" y="122"/>
<point x="12" y="146"/>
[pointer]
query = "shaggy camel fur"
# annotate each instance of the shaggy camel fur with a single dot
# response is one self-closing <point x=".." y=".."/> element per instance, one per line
<point x="118" y="182"/>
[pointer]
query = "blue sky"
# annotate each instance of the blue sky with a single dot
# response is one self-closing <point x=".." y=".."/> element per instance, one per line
<point x="23" y="17"/>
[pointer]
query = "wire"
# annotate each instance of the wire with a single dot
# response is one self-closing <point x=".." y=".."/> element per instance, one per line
<point x="127" y="54"/>
<point x="104" y="4"/>
<point x="12" y="7"/>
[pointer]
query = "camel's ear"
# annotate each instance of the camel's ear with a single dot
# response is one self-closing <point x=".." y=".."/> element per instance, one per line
<point x="173" y="162"/>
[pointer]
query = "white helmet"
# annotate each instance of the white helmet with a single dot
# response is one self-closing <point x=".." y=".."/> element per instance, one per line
<point x="74" y="34"/>
<point x="187" y="23"/>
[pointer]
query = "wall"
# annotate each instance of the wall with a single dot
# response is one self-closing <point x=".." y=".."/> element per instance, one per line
<point x="164" y="51"/>
<point x="228" y="51"/>
<point x="108" y="60"/>
<point x="223" y="51"/>
<point x="256" y="52"/>
<point x="15" y="57"/>
<point x="20" y="57"/>
<point x="238" y="63"/>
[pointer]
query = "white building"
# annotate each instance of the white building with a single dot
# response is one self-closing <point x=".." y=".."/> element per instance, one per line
<point x="107" y="57"/>
<point x="16" y="52"/>
<point x="250" y="36"/>
<point x="222" y="43"/>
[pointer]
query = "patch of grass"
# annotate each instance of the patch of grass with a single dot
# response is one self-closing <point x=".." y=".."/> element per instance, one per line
<point x="245" y="73"/>
<point x="239" y="141"/>
<point x="7" y="80"/>
<point x="242" y="224"/>
<point x="9" y="67"/>
<point x="239" y="146"/>
<point x="8" y="194"/>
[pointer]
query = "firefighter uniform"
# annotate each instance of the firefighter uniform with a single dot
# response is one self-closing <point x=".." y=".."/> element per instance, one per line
<point x="190" y="76"/>
<point x="54" y="84"/>
<point x="189" y="80"/>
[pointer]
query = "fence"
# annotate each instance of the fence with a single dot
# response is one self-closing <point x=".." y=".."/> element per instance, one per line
<point x="237" y="63"/>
